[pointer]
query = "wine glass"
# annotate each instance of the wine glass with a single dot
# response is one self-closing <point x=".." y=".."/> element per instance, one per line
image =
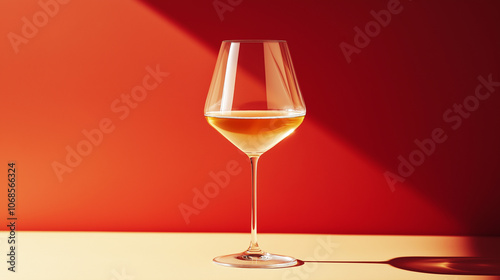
<point x="254" y="101"/>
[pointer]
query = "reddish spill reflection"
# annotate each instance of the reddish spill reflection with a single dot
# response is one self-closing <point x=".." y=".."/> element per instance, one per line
<point x="449" y="265"/>
<point x="438" y="265"/>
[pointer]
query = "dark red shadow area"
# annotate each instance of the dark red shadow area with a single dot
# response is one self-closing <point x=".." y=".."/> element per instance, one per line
<point x="416" y="74"/>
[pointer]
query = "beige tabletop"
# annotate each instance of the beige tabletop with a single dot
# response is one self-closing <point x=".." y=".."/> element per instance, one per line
<point x="138" y="256"/>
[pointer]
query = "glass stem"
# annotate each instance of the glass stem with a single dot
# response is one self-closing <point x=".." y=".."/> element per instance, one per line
<point x="254" y="245"/>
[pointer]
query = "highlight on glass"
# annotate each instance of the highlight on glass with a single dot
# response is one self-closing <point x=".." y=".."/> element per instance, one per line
<point x="254" y="101"/>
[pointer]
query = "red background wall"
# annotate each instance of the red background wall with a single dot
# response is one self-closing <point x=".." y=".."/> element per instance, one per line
<point x="69" y="70"/>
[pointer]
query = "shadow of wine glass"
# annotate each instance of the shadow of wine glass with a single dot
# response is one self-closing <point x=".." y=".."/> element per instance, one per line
<point x="438" y="265"/>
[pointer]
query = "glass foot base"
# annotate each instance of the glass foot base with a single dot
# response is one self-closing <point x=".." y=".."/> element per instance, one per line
<point x="264" y="260"/>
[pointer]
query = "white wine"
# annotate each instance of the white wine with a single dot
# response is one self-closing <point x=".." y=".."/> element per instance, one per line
<point x="255" y="132"/>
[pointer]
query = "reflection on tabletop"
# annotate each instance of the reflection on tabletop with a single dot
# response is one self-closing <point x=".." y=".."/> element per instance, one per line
<point x="437" y="265"/>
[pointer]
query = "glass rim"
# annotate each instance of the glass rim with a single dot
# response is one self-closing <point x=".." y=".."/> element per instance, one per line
<point x="254" y="41"/>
